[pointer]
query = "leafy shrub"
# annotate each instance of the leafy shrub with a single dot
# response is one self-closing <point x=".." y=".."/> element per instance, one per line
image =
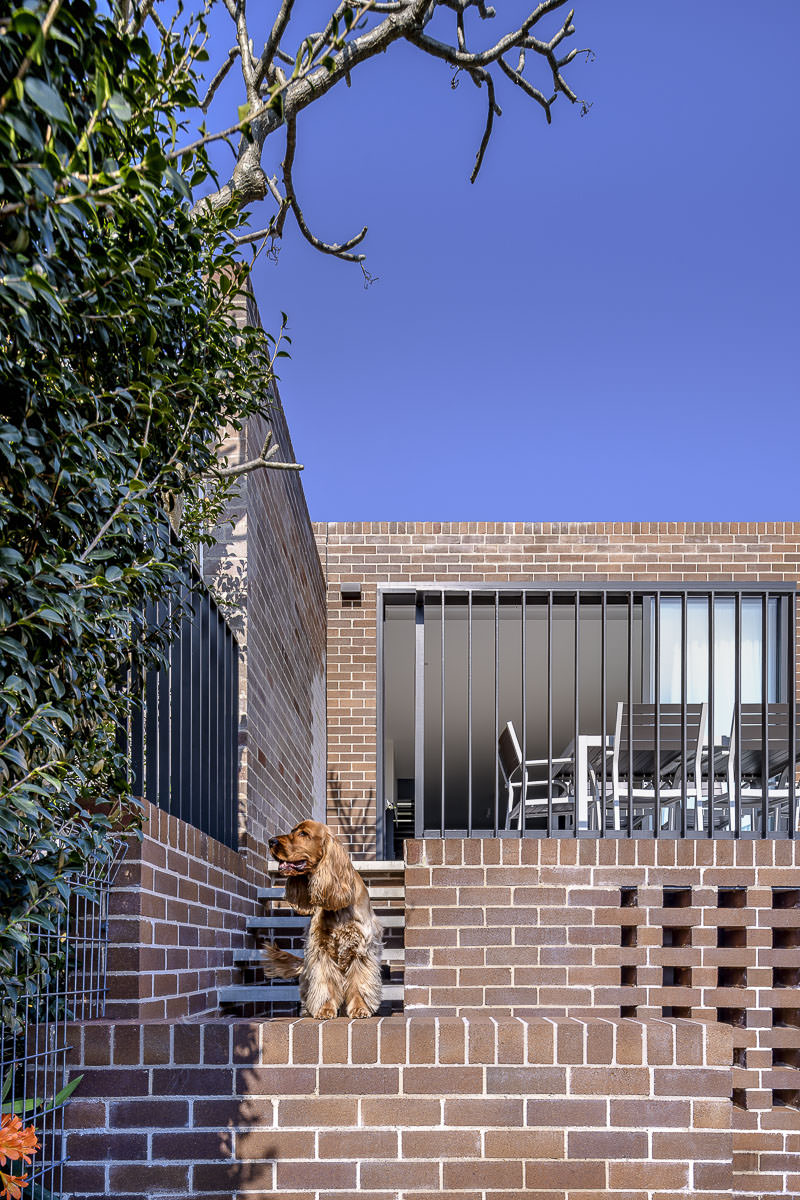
<point x="121" y="362"/>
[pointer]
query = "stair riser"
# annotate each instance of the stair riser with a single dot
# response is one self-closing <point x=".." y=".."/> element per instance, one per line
<point x="277" y="993"/>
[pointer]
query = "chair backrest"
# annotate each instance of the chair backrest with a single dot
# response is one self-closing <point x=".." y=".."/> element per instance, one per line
<point x="636" y="732"/>
<point x="509" y="752"/>
<point x="751" y="723"/>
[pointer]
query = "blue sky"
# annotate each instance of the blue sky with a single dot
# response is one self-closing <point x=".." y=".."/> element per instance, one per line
<point x="604" y="326"/>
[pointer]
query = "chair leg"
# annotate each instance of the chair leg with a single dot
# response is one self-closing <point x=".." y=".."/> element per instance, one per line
<point x="513" y="810"/>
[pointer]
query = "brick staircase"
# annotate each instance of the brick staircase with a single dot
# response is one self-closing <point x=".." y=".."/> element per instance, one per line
<point x="279" y="924"/>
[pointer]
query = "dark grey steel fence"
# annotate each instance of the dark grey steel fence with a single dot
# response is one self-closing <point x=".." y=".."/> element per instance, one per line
<point x="184" y="737"/>
<point x="591" y="710"/>
<point x="34" y="1036"/>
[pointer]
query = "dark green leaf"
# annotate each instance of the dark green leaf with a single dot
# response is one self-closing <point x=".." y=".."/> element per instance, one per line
<point x="45" y="98"/>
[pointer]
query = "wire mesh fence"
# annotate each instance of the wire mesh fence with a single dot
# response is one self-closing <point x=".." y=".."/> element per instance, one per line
<point x="68" y="984"/>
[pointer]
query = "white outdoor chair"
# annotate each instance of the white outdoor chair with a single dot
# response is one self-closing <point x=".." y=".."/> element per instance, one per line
<point x="526" y="787"/>
<point x="746" y="763"/>
<point x="633" y="778"/>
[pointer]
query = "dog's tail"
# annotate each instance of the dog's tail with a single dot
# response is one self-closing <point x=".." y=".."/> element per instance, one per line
<point x="280" y="964"/>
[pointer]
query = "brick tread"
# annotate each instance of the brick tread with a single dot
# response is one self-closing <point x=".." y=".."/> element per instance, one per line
<point x="391" y="954"/>
<point x="272" y="992"/>
<point x="376" y="893"/>
<point x="388" y="920"/>
<point x="369" y="866"/>
<point x="280" y="922"/>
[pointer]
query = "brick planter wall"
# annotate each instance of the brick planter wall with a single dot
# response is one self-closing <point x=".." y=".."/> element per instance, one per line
<point x="457" y="552"/>
<point x="474" y="1109"/>
<point x="645" y="928"/>
<point x="177" y="911"/>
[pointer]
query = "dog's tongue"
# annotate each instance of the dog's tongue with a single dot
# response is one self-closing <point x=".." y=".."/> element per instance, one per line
<point x="291" y="868"/>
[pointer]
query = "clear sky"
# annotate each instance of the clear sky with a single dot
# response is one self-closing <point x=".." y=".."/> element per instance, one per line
<point x="604" y="326"/>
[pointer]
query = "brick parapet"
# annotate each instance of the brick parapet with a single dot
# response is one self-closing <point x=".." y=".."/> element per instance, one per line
<point x="478" y="1107"/>
<point x="703" y="929"/>
<point x="458" y="553"/>
<point x="177" y="911"/>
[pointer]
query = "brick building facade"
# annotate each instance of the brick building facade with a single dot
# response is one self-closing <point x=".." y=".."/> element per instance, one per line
<point x="453" y="554"/>
<point x="584" y="1017"/>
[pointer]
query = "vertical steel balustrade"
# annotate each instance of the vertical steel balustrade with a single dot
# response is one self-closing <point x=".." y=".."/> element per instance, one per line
<point x="684" y="742"/>
<point x="641" y="611"/>
<point x="549" y="714"/>
<point x="737" y="684"/>
<point x="184" y="734"/>
<point x="711" y="731"/>
<point x="764" y="714"/>
<point x="793" y="813"/>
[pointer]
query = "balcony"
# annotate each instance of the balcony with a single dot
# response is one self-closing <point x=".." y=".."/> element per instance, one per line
<point x="578" y="710"/>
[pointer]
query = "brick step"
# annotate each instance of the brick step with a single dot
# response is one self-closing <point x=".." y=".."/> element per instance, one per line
<point x="385" y="881"/>
<point x="375" y="892"/>
<point x="368" y="866"/>
<point x="389" y="920"/>
<point x="291" y="921"/>
<point x="386" y="893"/>
<point x="272" y="993"/>
<point x="270" y="893"/>
<point x="243" y="958"/>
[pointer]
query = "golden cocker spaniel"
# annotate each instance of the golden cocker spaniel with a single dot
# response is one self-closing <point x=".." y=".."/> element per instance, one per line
<point x="341" y="968"/>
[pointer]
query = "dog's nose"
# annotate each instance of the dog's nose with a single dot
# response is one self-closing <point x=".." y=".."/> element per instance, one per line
<point x="272" y="843"/>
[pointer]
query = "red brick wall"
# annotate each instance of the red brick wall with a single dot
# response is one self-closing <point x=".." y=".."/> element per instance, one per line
<point x="580" y="928"/>
<point x="177" y="911"/>
<point x="478" y="1109"/>
<point x="265" y="564"/>
<point x="377" y="552"/>
<point x="286" y="650"/>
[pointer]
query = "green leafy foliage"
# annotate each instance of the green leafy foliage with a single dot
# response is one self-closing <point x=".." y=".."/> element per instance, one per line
<point x="120" y="362"/>
<point x="34" y="1104"/>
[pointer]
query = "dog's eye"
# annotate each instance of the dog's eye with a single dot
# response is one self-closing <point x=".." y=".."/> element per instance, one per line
<point x="303" y="833"/>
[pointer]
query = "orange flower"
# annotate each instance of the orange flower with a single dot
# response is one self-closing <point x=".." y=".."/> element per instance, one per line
<point x="12" y="1186"/>
<point x="16" y="1141"/>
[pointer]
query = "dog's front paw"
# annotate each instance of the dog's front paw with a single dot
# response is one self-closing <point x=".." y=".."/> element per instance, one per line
<point x="358" y="1010"/>
<point x="327" y="1012"/>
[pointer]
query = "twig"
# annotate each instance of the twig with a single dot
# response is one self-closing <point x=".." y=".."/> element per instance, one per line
<point x="337" y="249"/>
<point x="265" y="459"/>
<point x="233" y="54"/>
<point x="273" y="41"/>
<point x="487" y="132"/>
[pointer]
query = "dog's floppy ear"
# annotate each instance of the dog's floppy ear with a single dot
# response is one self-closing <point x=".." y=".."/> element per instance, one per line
<point x="297" y="894"/>
<point x="333" y="884"/>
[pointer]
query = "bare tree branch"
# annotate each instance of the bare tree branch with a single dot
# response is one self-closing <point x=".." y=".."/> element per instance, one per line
<point x="257" y="236"/>
<point x="274" y="41"/>
<point x="238" y="13"/>
<point x="338" y="250"/>
<point x="290" y="75"/>
<point x="481" y="76"/>
<point x="528" y="88"/>
<point x="233" y="54"/>
<point x="265" y="459"/>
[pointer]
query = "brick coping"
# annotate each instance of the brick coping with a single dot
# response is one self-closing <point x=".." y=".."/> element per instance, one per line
<point x="400" y="1039"/>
